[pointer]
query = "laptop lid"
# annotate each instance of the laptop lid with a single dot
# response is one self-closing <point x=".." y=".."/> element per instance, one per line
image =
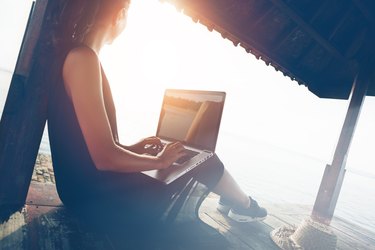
<point x="192" y="117"/>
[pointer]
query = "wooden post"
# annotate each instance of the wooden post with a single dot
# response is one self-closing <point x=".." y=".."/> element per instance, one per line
<point x="333" y="177"/>
<point x="24" y="116"/>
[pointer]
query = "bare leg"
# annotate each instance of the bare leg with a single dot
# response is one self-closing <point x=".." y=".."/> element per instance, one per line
<point x="228" y="188"/>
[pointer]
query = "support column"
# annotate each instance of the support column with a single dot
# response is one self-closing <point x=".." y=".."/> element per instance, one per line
<point x="333" y="177"/>
<point x="24" y="115"/>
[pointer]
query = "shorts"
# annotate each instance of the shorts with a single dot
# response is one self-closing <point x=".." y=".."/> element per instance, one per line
<point x="136" y="198"/>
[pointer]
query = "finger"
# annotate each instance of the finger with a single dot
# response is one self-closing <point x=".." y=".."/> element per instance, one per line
<point x="180" y="150"/>
<point x="180" y="154"/>
<point x="151" y="151"/>
<point x="181" y="147"/>
<point x="176" y="144"/>
<point x="176" y="147"/>
<point x="183" y="151"/>
<point x="170" y="145"/>
<point x="154" y="140"/>
<point x="154" y="148"/>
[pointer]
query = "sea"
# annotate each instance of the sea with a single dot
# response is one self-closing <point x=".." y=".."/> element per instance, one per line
<point x="275" y="174"/>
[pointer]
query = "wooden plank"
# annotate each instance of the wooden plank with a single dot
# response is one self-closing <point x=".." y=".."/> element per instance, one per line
<point x="186" y="235"/>
<point x="45" y="224"/>
<point x="286" y="213"/>
<point x="12" y="232"/>
<point x="289" y="214"/>
<point x="43" y="194"/>
<point x="349" y="236"/>
<point x="354" y="236"/>
<point x="31" y="37"/>
<point x="54" y="228"/>
<point x="235" y="242"/>
<point x="206" y="212"/>
<point x="255" y="235"/>
<point x="23" y="119"/>
<point x="48" y="227"/>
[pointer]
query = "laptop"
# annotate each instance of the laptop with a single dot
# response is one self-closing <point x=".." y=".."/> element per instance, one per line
<point x="192" y="117"/>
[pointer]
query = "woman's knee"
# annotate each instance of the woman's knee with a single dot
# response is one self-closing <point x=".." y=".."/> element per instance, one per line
<point x="211" y="172"/>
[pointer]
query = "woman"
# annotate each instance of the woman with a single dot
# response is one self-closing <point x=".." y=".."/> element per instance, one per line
<point x="92" y="168"/>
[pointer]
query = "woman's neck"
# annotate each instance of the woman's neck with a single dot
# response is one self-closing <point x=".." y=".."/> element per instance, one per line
<point x="96" y="40"/>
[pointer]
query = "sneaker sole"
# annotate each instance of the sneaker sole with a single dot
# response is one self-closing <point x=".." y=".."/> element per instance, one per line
<point x="223" y="209"/>
<point x="243" y="218"/>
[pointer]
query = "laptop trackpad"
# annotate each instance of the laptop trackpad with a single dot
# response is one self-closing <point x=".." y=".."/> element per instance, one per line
<point x="190" y="154"/>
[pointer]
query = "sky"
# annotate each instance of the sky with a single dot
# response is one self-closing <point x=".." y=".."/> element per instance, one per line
<point x="162" y="48"/>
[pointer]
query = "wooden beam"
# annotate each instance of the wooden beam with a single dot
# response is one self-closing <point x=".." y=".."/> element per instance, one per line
<point x="330" y="186"/>
<point x="30" y="39"/>
<point x="308" y="29"/>
<point x="343" y="18"/>
<point x="366" y="11"/>
<point x="24" y="117"/>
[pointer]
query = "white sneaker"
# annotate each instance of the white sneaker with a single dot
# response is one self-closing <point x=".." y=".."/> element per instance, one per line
<point x="250" y="214"/>
<point x="223" y="206"/>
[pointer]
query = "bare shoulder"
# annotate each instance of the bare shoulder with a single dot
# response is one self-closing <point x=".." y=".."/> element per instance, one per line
<point x="81" y="70"/>
<point x="81" y="56"/>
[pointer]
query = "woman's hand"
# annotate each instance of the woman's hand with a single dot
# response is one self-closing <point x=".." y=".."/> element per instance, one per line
<point x="150" y="145"/>
<point x="167" y="154"/>
<point x="171" y="153"/>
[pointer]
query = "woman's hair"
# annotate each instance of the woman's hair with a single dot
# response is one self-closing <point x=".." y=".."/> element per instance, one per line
<point x="73" y="19"/>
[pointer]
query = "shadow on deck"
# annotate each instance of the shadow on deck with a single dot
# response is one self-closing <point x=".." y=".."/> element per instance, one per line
<point x="45" y="224"/>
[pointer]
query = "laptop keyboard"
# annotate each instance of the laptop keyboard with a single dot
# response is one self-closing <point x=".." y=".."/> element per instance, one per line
<point x="189" y="154"/>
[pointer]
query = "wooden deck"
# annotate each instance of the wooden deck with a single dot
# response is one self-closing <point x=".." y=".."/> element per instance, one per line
<point x="256" y="235"/>
<point x="45" y="224"/>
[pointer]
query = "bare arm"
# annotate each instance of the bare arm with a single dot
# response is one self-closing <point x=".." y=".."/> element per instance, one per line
<point x="150" y="145"/>
<point x="83" y="83"/>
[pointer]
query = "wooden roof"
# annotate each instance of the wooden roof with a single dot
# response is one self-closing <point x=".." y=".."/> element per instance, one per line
<point x="319" y="43"/>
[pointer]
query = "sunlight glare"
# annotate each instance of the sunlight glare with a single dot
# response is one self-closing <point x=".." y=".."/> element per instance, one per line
<point x="159" y="62"/>
<point x="162" y="48"/>
<point x="144" y="61"/>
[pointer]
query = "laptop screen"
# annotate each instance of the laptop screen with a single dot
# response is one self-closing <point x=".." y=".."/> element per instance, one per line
<point x="192" y="117"/>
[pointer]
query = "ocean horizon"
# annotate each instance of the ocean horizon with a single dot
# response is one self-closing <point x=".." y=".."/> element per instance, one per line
<point x="274" y="174"/>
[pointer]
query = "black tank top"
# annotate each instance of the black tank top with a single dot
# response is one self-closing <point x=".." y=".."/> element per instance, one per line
<point x="75" y="172"/>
